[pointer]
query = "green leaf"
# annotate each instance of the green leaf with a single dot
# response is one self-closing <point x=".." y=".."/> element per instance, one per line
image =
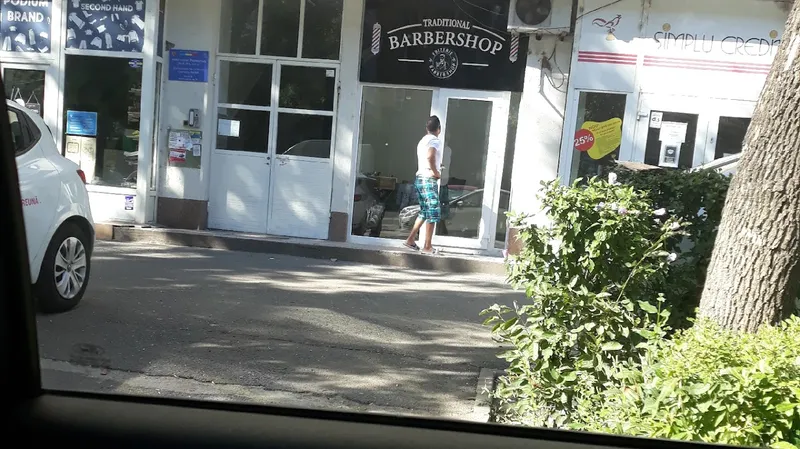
<point x="611" y="346"/>
<point x="783" y="445"/>
<point x="647" y="307"/>
<point x="786" y="406"/>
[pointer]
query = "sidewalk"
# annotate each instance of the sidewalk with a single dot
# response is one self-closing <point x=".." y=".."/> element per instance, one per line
<point x="314" y="249"/>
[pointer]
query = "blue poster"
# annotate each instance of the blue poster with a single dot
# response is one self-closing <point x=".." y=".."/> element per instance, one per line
<point x="108" y="25"/>
<point x="25" y="25"/>
<point x="188" y="65"/>
<point x="80" y="123"/>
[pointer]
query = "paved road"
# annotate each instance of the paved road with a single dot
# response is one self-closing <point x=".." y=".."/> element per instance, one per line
<point x="222" y="325"/>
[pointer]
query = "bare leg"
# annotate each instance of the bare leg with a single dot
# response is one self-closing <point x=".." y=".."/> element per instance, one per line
<point x="412" y="237"/>
<point x="428" y="237"/>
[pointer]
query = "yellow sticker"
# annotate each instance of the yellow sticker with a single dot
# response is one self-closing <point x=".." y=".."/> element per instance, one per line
<point x="607" y="137"/>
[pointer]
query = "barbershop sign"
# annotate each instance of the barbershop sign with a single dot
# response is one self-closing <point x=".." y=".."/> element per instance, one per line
<point x="455" y="44"/>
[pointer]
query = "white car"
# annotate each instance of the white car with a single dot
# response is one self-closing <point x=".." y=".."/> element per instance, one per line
<point x="55" y="205"/>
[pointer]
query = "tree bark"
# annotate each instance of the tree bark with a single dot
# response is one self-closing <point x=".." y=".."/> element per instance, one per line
<point x="754" y="273"/>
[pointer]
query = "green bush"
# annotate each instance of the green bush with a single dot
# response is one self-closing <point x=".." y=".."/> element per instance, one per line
<point x="590" y="276"/>
<point x="696" y="197"/>
<point x="709" y="384"/>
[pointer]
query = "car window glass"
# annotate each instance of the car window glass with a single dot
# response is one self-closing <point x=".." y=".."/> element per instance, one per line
<point x="17" y="131"/>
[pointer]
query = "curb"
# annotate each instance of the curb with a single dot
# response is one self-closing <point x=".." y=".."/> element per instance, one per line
<point x="316" y="250"/>
<point x="482" y="411"/>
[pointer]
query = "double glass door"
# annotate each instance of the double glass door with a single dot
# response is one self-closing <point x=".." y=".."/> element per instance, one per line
<point x="686" y="132"/>
<point x="474" y="128"/>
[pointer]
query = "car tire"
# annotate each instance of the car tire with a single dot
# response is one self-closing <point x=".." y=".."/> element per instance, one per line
<point x="68" y="254"/>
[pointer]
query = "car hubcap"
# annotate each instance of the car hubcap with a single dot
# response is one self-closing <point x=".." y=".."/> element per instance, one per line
<point x="70" y="272"/>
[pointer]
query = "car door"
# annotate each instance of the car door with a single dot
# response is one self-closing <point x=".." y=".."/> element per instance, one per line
<point x="39" y="184"/>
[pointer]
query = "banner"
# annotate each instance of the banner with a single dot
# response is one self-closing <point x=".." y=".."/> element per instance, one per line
<point x="25" y="25"/>
<point x="108" y="25"/>
<point x="456" y="44"/>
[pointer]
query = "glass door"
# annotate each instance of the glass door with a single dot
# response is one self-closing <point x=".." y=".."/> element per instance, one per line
<point x="671" y="131"/>
<point x="474" y="136"/>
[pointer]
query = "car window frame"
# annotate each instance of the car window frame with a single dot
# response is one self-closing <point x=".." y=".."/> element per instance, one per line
<point x="28" y="130"/>
<point x="94" y="420"/>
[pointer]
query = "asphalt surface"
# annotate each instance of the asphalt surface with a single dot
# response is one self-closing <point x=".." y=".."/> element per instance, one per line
<point x="243" y="327"/>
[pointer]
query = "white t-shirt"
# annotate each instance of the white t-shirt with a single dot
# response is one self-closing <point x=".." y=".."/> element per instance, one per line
<point x="423" y="166"/>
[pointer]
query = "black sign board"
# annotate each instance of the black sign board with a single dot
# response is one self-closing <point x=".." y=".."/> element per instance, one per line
<point x="443" y="43"/>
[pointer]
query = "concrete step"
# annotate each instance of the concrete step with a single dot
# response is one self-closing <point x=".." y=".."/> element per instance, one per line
<point x="315" y="249"/>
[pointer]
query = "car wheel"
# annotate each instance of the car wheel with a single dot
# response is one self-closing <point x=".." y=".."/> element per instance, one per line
<point x="65" y="271"/>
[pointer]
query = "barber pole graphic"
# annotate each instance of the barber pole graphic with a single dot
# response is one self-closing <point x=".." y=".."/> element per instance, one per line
<point x="514" y="54"/>
<point x="376" y="38"/>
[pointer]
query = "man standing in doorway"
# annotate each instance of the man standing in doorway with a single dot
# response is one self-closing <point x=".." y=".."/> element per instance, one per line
<point x="429" y="161"/>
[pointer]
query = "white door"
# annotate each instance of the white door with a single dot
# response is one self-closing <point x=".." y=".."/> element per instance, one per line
<point x="671" y="131"/>
<point x="474" y="136"/>
<point x="241" y="160"/>
<point x="727" y="127"/>
<point x="302" y="144"/>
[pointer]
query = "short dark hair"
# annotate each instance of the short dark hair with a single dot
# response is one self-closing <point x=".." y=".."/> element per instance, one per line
<point x="433" y="124"/>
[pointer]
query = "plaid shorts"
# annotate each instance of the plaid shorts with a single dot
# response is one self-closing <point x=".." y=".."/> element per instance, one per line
<point x="428" y="194"/>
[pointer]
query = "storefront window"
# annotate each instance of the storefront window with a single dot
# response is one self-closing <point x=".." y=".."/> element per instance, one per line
<point x="322" y="29"/>
<point x="278" y="31"/>
<point x="239" y="27"/>
<point x="26" y="87"/>
<point x="672" y="143"/>
<point x="106" y="114"/>
<point x="730" y="136"/>
<point x="392" y="122"/>
<point x="157" y="112"/>
<point x="598" y="132"/>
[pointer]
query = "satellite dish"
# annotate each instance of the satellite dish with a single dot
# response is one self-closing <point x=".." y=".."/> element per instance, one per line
<point x="533" y="12"/>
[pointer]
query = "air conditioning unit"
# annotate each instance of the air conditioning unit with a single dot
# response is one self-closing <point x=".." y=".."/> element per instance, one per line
<point x="528" y="16"/>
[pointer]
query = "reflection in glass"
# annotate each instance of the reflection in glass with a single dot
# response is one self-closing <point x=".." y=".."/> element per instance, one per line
<point x="307" y="88"/>
<point x="595" y="107"/>
<point x="245" y="83"/>
<point x="685" y="150"/>
<point x="304" y="135"/>
<point x="322" y="29"/>
<point x="392" y="122"/>
<point x="280" y="26"/>
<point x="730" y="136"/>
<point x="508" y="165"/>
<point x="242" y="130"/>
<point x="112" y="157"/>
<point x="27" y="86"/>
<point x="238" y="27"/>
<point x="466" y="148"/>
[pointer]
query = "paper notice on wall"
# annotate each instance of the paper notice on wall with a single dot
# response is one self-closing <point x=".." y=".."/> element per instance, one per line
<point x="673" y="132"/>
<point x="656" y="118"/>
<point x="180" y="140"/>
<point x="197" y="150"/>
<point x="177" y="156"/>
<point x="670" y="154"/>
<point x="228" y="128"/>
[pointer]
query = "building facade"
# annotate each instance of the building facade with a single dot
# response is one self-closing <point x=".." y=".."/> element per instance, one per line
<point x="300" y="118"/>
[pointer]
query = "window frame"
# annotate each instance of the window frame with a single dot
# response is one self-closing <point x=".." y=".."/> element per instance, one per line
<point x="259" y="28"/>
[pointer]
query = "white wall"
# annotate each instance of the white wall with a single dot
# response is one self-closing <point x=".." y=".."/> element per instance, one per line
<point x="347" y="121"/>
<point x="541" y="119"/>
<point x="190" y="25"/>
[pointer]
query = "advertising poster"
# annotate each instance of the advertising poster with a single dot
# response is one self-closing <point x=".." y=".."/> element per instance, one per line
<point x="108" y="25"/>
<point x="82" y="123"/>
<point x="599" y="139"/>
<point x="25" y="25"/>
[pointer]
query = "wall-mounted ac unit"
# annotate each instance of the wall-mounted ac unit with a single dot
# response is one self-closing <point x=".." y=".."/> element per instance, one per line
<point x="540" y="15"/>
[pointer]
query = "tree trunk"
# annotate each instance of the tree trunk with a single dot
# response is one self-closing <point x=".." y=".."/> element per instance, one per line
<point x="754" y="273"/>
